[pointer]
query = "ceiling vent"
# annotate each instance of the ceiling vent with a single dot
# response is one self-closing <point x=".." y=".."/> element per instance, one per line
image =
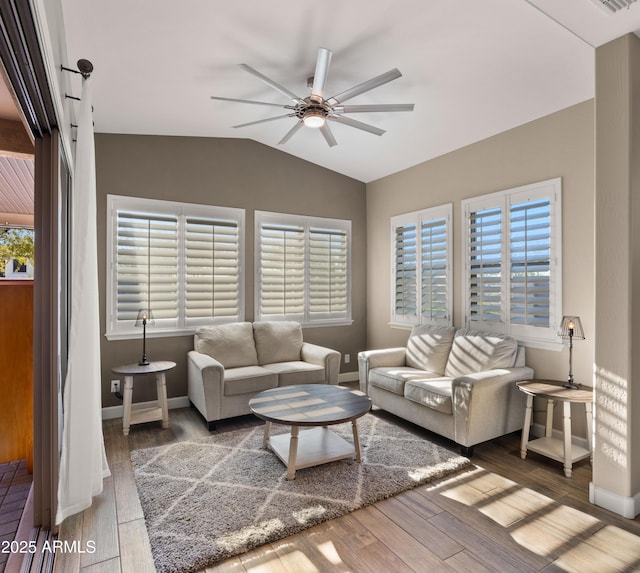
<point x="612" y="6"/>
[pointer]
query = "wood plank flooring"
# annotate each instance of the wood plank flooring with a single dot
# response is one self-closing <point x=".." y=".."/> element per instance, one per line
<point x="502" y="515"/>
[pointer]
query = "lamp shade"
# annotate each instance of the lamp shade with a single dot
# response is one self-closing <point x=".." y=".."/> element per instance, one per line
<point x="145" y="317"/>
<point x="571" y="327"/>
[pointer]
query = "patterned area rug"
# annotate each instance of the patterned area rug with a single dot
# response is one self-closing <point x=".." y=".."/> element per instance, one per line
<point x="219" y="496"/>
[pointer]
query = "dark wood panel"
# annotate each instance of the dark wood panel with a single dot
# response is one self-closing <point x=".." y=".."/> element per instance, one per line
<point x="16" y="371"/>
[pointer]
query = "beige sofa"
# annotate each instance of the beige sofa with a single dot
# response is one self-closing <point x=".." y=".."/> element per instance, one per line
<point x="232" y="362"/>
<point x="457" y="383"/>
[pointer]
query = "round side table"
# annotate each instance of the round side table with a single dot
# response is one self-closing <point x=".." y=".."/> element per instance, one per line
<point x="560" y="450"/>
<point x="141" y="415"/>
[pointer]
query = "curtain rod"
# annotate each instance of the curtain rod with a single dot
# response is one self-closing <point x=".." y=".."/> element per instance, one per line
<point x="85" y="67"/>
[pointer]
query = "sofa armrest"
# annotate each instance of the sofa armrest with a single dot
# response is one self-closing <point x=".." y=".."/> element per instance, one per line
<point x="326" y="357"/>
<point x="205" y="376"/>
<point x="488" y="404"/>
<point x="368" y="359"/>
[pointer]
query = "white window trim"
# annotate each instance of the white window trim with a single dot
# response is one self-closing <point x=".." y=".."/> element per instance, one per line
<point x="530" y="336"/>
<point x="119" y="330"/>
<point x="417" y="218"/>
<point x="306" y="222"/>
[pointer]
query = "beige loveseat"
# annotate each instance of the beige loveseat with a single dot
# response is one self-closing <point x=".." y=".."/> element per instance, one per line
<point x="457" y="383"/>
<point x="232" y="362"/>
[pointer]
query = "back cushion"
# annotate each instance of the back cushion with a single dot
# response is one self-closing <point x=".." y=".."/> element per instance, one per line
<point x="429" y="346"/>
<point x="475" y="351"/>
<point x="277" y="341"/>
<point x="230" y="344"/>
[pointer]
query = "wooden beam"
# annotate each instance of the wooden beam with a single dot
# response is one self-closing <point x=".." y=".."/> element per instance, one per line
<point x="14" y="141"/>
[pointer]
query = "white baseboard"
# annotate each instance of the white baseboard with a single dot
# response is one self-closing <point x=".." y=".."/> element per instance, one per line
<point x="625" y="506"/>
<point x="348" y="377"/>
<point x="111" y="412"/>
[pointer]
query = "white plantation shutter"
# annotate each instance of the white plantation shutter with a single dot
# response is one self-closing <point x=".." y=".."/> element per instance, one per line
<point x="530" y="262"/>
<point x="212" y="274"/>
<point x="302" y="268"/>
<point x="435" y="270"/>
<point x="147" y="265"/>
<point x="282" y="271"/>
<point x="328" y="273"/>
<point x="513" y="270"/>
<point x="405" y="284"/>
<point x="485" y="265"/>
<point x="421" y="262"/>
<point x="184" y="261"/>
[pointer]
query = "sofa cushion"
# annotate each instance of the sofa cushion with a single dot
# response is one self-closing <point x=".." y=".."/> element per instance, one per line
<point x="297" y="372"/>
<point x="393" y="378"/>
<point x="429" y="346"/>
<point x="475" y="351"/>
<point x="433" y="393"/>
<point x="248" y="380"/>
<point x="277" y="341"/>
<point x="230" y="344"/>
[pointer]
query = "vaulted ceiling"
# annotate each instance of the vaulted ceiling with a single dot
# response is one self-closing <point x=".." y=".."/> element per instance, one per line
<point x="472" y="69"/>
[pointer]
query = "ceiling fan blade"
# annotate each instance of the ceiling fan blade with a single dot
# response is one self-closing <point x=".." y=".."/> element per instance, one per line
<point x="322" y="70"/>
<point x="291" y="132"/>
<point x="374" y="107"/>
<point x="366" y="86"/>
<point x="264" y="120"/>
<point x="247" y="101"/>
<point x="328" y="135"/>
<point x="275" y="85"/>
<point x="357" y="124"/>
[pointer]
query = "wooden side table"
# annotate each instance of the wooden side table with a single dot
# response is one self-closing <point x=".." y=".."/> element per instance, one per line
<point x="560" y="450"/>
<point x="141" y="415"/>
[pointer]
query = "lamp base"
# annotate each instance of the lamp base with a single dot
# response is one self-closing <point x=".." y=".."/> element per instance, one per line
<point x="571" y="385"/>
<point x="143" y="362"/>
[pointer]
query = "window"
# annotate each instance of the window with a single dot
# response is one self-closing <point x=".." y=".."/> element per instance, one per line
<point x="303" y="269"/>
<point x="421" y="263"/>
<point x="513" y="269"/>
<point x="181" y="260"/>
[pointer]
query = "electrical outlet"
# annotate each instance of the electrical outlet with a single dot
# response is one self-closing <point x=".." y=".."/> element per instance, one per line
<point x="115" y="386"/>
<point x="347" y="358"/>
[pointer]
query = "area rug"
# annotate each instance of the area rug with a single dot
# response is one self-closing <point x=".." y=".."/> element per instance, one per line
<point x="209" y="499"/>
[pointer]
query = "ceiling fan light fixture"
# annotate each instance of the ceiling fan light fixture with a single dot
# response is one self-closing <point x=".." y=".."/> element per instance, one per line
<point x="314" y="118"/>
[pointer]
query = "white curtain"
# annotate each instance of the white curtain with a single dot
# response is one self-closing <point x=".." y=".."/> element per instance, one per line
<point x="83" y="463"/>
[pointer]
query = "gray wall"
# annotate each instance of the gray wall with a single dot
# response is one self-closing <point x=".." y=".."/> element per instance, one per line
<point x="228" y="173"/>
<point x="558" y="145"/>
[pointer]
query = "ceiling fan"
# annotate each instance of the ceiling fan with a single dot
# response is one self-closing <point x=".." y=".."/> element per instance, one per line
<point x="315" y="110"/>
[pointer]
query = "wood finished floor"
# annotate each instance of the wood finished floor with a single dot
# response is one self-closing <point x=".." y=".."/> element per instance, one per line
<point x="502" y="515"/>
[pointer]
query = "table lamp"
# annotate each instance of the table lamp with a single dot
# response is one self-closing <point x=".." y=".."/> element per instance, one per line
<point x="571" y="328"/>
<point x="145" y="317"/>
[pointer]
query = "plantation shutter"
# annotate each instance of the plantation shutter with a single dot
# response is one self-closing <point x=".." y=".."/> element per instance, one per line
<point x="530" y="262"/>
<point x="282" y="271"/>
<point x="405" y="272"/>
<point x="212" y="269"/>
<point x="485" y="265"/>
<point x="328" y="273"/>
<point x="435" y="288"/>
<point x="146" y="265"/>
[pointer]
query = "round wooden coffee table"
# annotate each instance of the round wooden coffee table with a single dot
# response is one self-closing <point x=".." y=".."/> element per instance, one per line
<point x="310" y="405"/>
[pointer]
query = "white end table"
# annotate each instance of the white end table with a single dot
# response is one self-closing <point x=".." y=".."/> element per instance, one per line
<point x="560" y="450"/>
<point x="141" y="415"/>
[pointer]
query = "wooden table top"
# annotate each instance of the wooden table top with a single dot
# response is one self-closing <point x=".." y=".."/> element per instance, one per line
<point x="151" y="368"/>
<point x="310" y="405"/>
<point x="553" y="389"/>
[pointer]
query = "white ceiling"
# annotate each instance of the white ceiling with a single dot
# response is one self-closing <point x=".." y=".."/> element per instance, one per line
<point x="473" y="69"/>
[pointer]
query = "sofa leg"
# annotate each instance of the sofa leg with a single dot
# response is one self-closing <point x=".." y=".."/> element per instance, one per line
<point x="466" y="451"/>
<point x="211" y="426"/>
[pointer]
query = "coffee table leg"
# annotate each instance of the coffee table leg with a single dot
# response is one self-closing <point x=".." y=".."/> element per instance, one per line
<point x="293" y="452"/>
<point x="267" y="433"/>
<point x="356" y="441"/>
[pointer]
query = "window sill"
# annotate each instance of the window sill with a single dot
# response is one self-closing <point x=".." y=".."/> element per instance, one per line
<point x="151" y="333"/>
